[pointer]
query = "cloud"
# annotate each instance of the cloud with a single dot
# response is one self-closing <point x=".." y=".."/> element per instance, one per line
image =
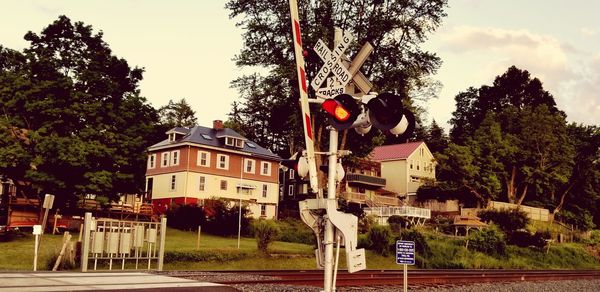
<point x="588" y="32"/>
<point x="570" y="74"/>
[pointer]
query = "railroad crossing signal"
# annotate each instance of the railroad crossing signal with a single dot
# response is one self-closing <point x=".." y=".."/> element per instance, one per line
<point x="339" y="68"/>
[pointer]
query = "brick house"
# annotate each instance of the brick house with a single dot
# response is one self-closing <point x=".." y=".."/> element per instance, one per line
<point x="200" y="163"/>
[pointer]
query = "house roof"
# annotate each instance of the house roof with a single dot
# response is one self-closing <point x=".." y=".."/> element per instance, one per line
<point x="210" y="137"/>
<point x="395" y="152"/>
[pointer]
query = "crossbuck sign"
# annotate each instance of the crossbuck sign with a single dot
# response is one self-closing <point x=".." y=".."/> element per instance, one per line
<point x="333" y="62"/>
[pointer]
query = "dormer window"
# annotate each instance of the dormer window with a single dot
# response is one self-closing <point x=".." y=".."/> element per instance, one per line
<point x="234" y="142"/>
<point x="172" y="137"/>
<point x="239" y="143"/>
<point x="229" y="141"/>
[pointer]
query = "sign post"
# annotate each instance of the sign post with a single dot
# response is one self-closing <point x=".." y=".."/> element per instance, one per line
<point x="405" y="255"/>
<point x="37" y="231"/>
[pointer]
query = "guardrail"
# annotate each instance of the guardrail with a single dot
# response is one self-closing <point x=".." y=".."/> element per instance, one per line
<point x="364" y="199"/>
<point x="405" y="211"/>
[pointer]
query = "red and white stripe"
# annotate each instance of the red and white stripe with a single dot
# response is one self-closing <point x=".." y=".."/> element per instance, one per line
<point x="308" y="133"/>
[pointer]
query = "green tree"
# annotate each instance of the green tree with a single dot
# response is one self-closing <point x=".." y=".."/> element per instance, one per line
<point x="514" y="137"/>
<point x="73" y="121"/>
<point x="177" y="114"/>
<point x="437" y="141"/>
<point x="396" y="29"/>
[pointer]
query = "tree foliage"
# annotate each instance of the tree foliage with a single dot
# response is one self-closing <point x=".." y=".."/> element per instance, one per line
<point x="509" y="141"/>
<point x="269" y="111"/>
<point x="177" y="114"/>
<point x="72" y="121"/>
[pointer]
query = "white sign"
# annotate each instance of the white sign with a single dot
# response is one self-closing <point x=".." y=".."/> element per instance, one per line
<point x="330" y="92"/>
<point x="332" y="62"/>
<point x="37" y="229"/>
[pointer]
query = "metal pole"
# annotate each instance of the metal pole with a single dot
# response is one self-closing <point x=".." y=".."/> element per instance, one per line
<point x="240" y="205"/>
<point x="35" y="253"/>
<point x="405" y="278"/>
<point x="161" y="248"/>
<point x="85" y="244"/>
<point x="328" y="283"/>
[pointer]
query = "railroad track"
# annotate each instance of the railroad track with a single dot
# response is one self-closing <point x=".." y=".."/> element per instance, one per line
<point x="388" y="277"/>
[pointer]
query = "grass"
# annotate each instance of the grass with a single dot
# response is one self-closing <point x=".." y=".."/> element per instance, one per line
<point x="219" y="253"/>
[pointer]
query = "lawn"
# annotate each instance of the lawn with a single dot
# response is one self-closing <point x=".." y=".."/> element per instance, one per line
<point x="17" y="254"/>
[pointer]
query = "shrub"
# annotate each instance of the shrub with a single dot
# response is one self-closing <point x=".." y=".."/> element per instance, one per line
<point x="523" y="238"/>
<point x="507" y="220"/>
<point x="443" y="224"/>
<point x="489" y="241"/>
<point x="185" y="217"/>
<point x="421" y="246"/>
<point x="397" y="223"/>
<point x="365" y="223"/>
<point x="265" y="232"/>
<point x="222" y="218"/>
<point x="363" y="241"/>
<point x="380" y="238"/>
<point x="294" y="230"/>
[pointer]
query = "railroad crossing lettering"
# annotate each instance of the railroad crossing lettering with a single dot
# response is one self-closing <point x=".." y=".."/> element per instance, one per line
<point x="332" y="61"/>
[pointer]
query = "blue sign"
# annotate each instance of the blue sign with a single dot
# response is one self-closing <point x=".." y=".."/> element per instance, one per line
<point x="405" y="252"/>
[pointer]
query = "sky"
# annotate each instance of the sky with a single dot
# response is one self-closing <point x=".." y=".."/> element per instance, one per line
<point x="187" y="48"/>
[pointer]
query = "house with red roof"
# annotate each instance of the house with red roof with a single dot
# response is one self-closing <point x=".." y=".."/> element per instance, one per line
<point x="405" y="166"/>
<point x="199" y="163"/>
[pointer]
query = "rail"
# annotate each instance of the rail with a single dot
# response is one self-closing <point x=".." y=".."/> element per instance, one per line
<point x="405" y="211"/>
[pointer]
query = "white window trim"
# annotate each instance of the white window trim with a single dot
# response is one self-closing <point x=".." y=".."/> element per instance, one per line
<point x="173" y="183"/>
<point x="290" y="190"/>
<point x="262" y="168"/>
<point x="240" y="142"/>
<point x="164" y="157"/>
<point x="202" y="183"/>
<point x="253" y="165"/>
<point x="229" y="141"/>
<point x="151" y="161"/>
<point x="263" y="210"/>
<point x="265" y="191"/>
<point x="199" y="158"/>
<point x="221" y="185"/>
<point x="291" y="174"/>
<point x="219" y="161"/>
<point x="173" y="157"/>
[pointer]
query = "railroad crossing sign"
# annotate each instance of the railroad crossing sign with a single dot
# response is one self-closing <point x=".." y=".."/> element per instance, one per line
<point x="332" y="61"/>
<point x="335" y="62"/>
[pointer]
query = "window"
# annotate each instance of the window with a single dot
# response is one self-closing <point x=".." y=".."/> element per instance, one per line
<point x="414" y="179"/>
<point x="239" y="143"/>
<point x="222" y="161"/>
<point x="430" y="167"/>
<point x="202" y="183"/>
<point x="264" y="191"/>
<point x="164" y="162"/>
<point x="291" y="174"/>
<point x="151" y="161"/>
<point x="265" y="168"/>
<point x="229" y="141"/>
<point x="250" y="166"/>
<point x="224" y="185"/>
<point x="411" y="164"/>
<point x="418" y="164"/>
<point x="250" y="145"/>
<point x="175" y="157"/>
<point x="263" y="210"/>
<point x="421" y="151"/>
<point x="206" y="137"/>
<point x="173" y="182"/>
<point x="203" y="158"/>
<point x="290" y="190"/>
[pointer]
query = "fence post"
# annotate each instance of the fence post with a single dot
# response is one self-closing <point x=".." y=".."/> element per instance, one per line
<point x="85" y="245"/>
<point x="161" y="250"/>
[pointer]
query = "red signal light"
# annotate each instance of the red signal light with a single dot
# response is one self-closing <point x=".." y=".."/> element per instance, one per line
<point x="334" y="108"/>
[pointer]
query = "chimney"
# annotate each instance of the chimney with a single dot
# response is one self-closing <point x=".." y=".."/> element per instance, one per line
<point x="217" y="124"/>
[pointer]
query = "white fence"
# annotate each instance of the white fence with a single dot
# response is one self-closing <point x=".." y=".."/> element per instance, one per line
<point x="539" y="214"/>
<point x="108" y="241"/>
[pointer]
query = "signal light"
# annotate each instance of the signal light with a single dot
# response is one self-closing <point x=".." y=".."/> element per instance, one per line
<point x="343" y="111"/>
<point x="297" y="162"/>
<point x="387" y="113"/>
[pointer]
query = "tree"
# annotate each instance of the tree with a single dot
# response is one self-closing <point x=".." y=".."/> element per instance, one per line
<point x="514" y="130"/>
<point x="177" y="114"/>
<point x="73" y="121"/>
<point x="436" y="139"/>
<point x="394" y="28"/>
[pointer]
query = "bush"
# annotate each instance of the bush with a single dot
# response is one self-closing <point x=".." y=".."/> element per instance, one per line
<point x="443" y="224"/>
<point x="363" y="241"/>
<point x="397" y="223"/>
<point x="507" y="220"/>
<point x="380" y="238"/>
<point x="185" y="217"/>
<point x="421" y="246"/>
<point x="365" y="223"/>
<point x="222" y="218"/>
<point x="265" y="232"/>
<point x="294" y="230"/>
<point x="523" y="238"/>
<point x="489" y="241"/>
